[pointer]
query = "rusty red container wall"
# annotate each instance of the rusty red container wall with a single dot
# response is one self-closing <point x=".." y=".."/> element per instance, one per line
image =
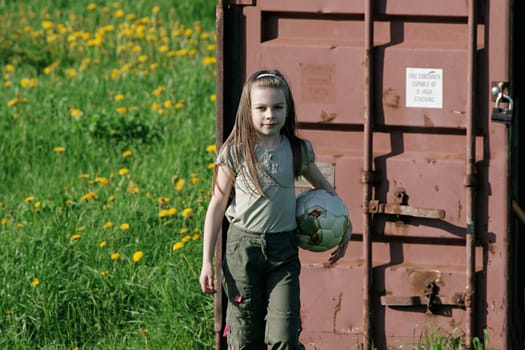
<point x="431" y="241"/>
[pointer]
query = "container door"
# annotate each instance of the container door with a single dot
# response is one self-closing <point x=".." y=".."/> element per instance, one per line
<point x="396" y="97"/>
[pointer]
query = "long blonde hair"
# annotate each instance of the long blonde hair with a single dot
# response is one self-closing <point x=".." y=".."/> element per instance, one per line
<point x="243" y="138"/>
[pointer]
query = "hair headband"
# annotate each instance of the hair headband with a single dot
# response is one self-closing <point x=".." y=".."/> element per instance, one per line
<point x="268" y="75"/>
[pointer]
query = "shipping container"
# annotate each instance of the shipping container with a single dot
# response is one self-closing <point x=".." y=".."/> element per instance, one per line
<point x="412" y="107"/>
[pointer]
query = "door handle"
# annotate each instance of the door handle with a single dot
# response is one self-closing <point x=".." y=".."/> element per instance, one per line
<point x="375" y="207"/>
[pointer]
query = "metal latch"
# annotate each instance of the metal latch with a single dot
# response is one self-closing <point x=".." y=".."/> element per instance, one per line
<point x="401" y="207"/>
<point x="430" y="299"/>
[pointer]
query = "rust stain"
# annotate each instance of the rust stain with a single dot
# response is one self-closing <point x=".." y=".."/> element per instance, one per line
<point x="390" y="98"/>
<point x="428" y="121"/>
<point x="337" y="308"/>
<point x="327" y="117"/>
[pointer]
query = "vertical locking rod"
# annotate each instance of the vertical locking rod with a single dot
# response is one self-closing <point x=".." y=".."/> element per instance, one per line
<point x="469" y="164"/>
<point x="367" y="170"/>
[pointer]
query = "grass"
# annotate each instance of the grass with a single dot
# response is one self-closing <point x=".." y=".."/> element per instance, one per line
<point x="107" y="117"/>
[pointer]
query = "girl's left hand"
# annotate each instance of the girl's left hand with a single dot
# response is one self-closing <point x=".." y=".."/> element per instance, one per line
<point x="340" y="251"/>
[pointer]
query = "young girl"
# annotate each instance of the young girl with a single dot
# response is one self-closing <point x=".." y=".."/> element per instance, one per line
<point x="254" y="187"/>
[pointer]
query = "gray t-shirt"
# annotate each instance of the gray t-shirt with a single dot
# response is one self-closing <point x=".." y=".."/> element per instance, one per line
<point x="276" y="211"/>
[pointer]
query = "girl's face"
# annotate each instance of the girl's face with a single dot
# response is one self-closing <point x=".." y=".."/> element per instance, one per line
<point x="268" y="112"/>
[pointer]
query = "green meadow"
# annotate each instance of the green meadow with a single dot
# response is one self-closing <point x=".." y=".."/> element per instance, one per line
<point x="107" y="120"/>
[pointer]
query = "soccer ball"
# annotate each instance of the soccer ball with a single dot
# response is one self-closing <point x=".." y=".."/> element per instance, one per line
<point x="322" y="220"/>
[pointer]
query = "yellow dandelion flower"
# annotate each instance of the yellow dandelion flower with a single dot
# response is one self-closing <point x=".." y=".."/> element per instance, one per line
<point x="137" y="256"/>
<point x="91" y="6"/>
<point x="124" y="227"/>
<point x="172" y="211"/>
<point x="111" y="198"/>
<point x="75" y="237"/>
<point x="118" y="14"/>
<point x="103" y="181"/>
<point x="159" y="90"/>
<point x="119" y="97"/>
<point x="186" y="238"/>
<point x="28" y="83"/>
<point x="94" y="42"/>
<point x="83" y="176"/>
<point x="80" y="228"/>
<point x="155" y="10"/>
<point x="104" y="273"/>
<point x="187" y="213"/>
<point x="213" y="97"/>
<point x="108" y="224"/>
<point x="122" y="110"/>
<point x="211" y="148"/>
<point x="155" y="106"/>
<point x="143" y="58"/>
<point x="183" y="231"/>
<point x="136" y="49"/>
<point x="47" y="25"/>
<point x="196" y="236"/>
<point x="35" y="282"/>
<point x="9" y="68"/>
<point x="153" y="66"/>
<point x="179" y="104"/>
<point x="177" y="246"/>
<point x="179" y="184"/>
<point x="211" y="165"/>
<point x="209" y="60"/>
<point x="69" y="202"/>
<point x="115" y="73"/>
<point x="194" y="179"/>
<point x="75" y="112"/>
<point x="163" y="213"/>
<point x="59" y="149"/>
<point x="133" y="188"/>
<point x="168" y="104"/>
<point x="71" y="72"/>
<point x="188" y="32"/>
<point x="115" y="256"/>
<point x="89" y="196"/>
<point x="6" y="84"/>
<point x="19" y="225"/>
<point x="16" y="100"/>
<point x="127" y="154"/>
<point x="164" y="48"/>
<point x="123" y="171"/>
<point x="163" y="200"/>
<point x="102" y="244"/>
<point x="29" y="199"/>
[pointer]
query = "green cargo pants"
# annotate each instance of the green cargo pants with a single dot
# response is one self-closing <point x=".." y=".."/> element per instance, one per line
<point x="261" y="282"/>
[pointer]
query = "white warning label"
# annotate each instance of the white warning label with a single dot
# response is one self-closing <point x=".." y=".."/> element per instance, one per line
<point x="424" y="87"/>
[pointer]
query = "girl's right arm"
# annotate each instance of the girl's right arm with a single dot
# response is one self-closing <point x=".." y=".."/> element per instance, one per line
<point x="213" y="223"/>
